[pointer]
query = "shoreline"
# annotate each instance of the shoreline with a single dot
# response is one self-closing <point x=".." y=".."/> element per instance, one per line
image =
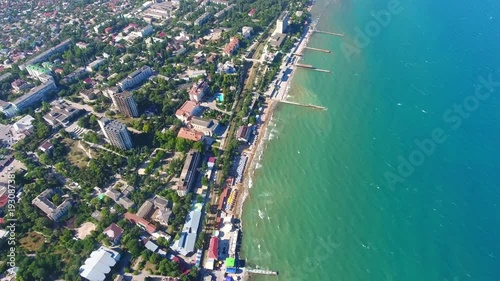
<point x="271" y="103"/>
<point x="270" y="106"/>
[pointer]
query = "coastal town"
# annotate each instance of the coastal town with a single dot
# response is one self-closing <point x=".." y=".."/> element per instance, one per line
<point x="128" y="129"/>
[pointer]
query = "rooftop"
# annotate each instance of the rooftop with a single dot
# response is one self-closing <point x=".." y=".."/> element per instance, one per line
<point x="99" y="264"/>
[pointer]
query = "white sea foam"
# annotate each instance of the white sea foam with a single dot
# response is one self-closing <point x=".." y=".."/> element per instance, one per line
<point x="261" y="214"/>
<point x="265" y="194"/>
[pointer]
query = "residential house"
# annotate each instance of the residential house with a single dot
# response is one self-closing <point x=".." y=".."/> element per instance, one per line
<point x="114" y="233"/>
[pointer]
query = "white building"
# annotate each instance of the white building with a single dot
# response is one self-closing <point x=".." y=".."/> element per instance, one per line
<point x="282" y="22"/>
<point x="135" y="78"/>
<point x="99" y="264"/>
<point x="186" y="244"/>
<point x="246" y="31"/>
<point x="35" y="95"/>
<point x="94" y="65"/>
<point x="116" y="133"/>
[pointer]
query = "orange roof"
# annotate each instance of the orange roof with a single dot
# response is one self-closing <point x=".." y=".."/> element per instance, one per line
<point x="232" y="45"/>
<point x="222" y="198"/>
<point x="138" y="220"/>
<point x="4" y="198"/>
<point x="213" y="249"/>
<point x="198" y="88"/>
<point x="186" y="109"/>
<point x="190" y="134"/>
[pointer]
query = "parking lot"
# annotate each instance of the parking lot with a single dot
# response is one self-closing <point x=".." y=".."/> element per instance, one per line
<point x="13" y="167"/>
<point x="6" y="136"/>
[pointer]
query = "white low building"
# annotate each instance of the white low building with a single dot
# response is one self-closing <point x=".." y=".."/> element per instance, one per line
<point x="99" y="264"/>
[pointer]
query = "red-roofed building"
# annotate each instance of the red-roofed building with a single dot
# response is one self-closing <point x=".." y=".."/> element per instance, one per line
<point x="108" y="30"/>
<point x="190" y="134"/>
<point x="198" y="90"/>
<point x="232" y="46"/>
<point x="114" y="233"/>
<point x="213" y="249"/>
<point x="222" y="198"/>
<point x="144" y="224"/>
<point x="243" y="133"/>
<point x="4" y="198"/>
<point x="211" y="162"/>
<point x="46" y="147"/>
<point x="251" y="13"/>
<point x="188" y="109"/>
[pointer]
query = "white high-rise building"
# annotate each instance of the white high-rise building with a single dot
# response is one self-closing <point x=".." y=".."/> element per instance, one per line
<point x="116" y="133"/>
<point x="282" y="22"/>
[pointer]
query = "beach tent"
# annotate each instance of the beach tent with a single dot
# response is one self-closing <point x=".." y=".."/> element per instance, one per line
<point x="230" y="262"/>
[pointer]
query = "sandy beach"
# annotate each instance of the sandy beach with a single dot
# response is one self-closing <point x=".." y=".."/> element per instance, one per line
<point x="266" y="117"/>
<point x="254" y="155"/>
<point x="272" y="100"/>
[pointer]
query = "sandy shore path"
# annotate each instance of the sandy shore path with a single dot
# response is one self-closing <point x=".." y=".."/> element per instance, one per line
<point x="255" y="152"/>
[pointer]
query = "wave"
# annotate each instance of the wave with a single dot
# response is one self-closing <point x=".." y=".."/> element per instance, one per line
<point x="261" y="214"/>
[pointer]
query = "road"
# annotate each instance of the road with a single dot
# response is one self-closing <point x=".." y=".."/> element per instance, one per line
<point x="213" y="105"/>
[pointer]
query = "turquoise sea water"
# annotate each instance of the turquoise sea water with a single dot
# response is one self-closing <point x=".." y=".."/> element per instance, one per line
<point x="320" y="207"/>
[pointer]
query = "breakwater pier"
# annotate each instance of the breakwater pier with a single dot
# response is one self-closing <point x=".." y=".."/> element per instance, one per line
<point x="318" y="49"/>
<point x="261" y="271"/>
<point x="304" y="105"/>
<point x="311" y="67"/>
<point x="328" y="32"/>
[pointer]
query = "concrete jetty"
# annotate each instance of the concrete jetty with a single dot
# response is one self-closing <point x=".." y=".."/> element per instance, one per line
<point x="304" y="105"/>
<point x="318" y="49"/>
<point x="261" y="271"/>
<point x="328" y="32"/>
<point x="311" y="67"/>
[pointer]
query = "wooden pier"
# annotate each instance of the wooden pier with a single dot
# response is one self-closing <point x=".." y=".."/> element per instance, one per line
<point x="318" y="49"/>
<point x="330" y="33"/>
<point x="304" y="105"/>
